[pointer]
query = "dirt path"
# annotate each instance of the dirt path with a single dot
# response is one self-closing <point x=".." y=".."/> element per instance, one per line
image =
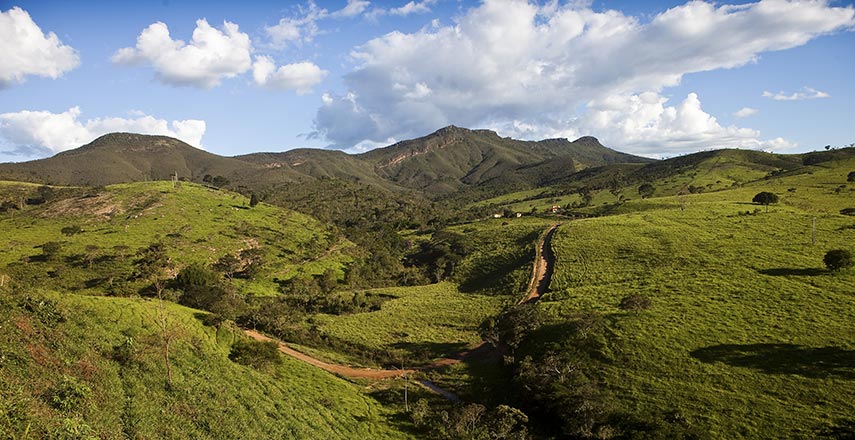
<point x="541" y="275"/>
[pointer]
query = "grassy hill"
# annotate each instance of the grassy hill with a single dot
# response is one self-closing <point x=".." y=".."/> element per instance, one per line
<point x="747" y="334"/>
<point x="90" y="367"/>
<point x="707" y="171"/>
<point x="99" y="232"/>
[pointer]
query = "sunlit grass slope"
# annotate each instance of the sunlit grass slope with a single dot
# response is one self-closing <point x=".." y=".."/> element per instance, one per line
<point x="197" y="224"/>
<point x="91" y="367"/>
<point x="748" y="334"/>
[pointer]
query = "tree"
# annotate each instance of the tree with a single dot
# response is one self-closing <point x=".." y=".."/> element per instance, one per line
<point x="253" y="200"/>
<point x="253" y="261"/>
<point x="228" y="264"/>
<point x="635" y="303"/>
<point x="837" y="259"/>
<point x="646" y="190"/>
<point x="153" y="265"/>
<point x="765" y="198"/>
<point x="50" y="250"/>
<point x="851" y="177"/>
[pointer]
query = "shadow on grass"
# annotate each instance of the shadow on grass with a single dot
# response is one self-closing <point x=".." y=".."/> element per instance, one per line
<point x="785" y="271"/>
<point x="427" y="351"/>
<point x="816" y="363"/>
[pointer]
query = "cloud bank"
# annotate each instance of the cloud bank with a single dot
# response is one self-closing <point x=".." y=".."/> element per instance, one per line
<point x="213" y="55"/>
<point x="557" y="69"/>
<point x="39" y="133"/>
<point x="26" y="50"/>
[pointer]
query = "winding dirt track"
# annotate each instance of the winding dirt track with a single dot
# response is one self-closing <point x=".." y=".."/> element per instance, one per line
<point x="541" y="275"/>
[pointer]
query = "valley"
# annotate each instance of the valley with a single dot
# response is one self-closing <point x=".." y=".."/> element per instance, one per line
<point x="656" y="301"/>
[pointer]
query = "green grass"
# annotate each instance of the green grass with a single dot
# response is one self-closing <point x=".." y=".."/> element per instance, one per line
<point x="502" y="255"/>
<point x="196" y="224"/>
<point x="211" y="397"/>
<point x="423" y="322"/>
<point x="748" y="335"/>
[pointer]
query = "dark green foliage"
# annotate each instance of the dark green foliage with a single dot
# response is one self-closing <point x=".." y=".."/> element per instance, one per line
<point x="438" y="257"/>
<point x="253" y="262"/>
<point x="253" y="200"/>
<point x="851" y="176"/>
<point x="195" y="275"/>
<point x="220" y="181"/>
<point x="765" y="198"/>
<point x="51" y="249"/>
<point x="45" y="310"/>
<point x="70" y="395"/>
<point x="258" y="354"/>
<point x="635" y="303"/>
<point x="71" y="230"/>
<point x="646" y="190"/>
<point x="469" y="421"/>
<point x="837" y="259"/>
<point x="228" y="264"/>
<point x="512" y="326"/>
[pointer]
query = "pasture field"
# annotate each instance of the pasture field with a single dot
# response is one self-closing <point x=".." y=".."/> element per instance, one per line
<point x="748" y="334"/>
<point x="421" y="322"/>
<point x="92" y="367"/>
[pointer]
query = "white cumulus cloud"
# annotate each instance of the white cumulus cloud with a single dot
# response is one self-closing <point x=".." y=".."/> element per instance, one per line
<point x="211" y="55"/>
<point x="26" y="50"/>
<point x="644" y="124"/>
<point x="39" y="133"/>
<point x="511" y="62"/>
<point x="806" y="93"/>
<point x="745" y="112"/>
<point x="300" y="77"/>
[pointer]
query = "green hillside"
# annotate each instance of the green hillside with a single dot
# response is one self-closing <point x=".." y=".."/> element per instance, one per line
<point x="91" y="367"/>
<point x="748" y="335"/>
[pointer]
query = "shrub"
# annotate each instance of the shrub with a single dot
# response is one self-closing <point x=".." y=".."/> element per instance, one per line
<point x="635" y="303"/>
<point x="837" y="259"/>
<point x="258" y="354"/>
<point x="646" y="190"/>
<point x="765" y="198"/>
<point x="851" y="177"/>
<point x="71" y="230"/>
<point x="70" y="395"/>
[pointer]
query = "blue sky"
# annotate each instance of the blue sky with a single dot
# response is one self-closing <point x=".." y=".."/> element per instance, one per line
<point x="650" y="78"/>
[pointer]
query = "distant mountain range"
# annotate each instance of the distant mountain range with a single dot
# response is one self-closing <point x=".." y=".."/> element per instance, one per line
<point x="448" y="160"/>
<point x="451" y="162"/>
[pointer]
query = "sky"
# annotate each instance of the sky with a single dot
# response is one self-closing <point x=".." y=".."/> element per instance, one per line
<point x="653" y="78"/>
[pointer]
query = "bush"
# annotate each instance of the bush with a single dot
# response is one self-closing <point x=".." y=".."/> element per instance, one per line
<point x="851" y="177"/>
<point x="837" y="259"/>
<point x="258" y="354"/>
<point x="765" y="198"/>
<point x="71" y="230"/>
<point x="70" y="395"/>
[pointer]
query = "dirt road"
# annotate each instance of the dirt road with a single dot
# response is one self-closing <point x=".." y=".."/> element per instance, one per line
<point x="541" y="273"/>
